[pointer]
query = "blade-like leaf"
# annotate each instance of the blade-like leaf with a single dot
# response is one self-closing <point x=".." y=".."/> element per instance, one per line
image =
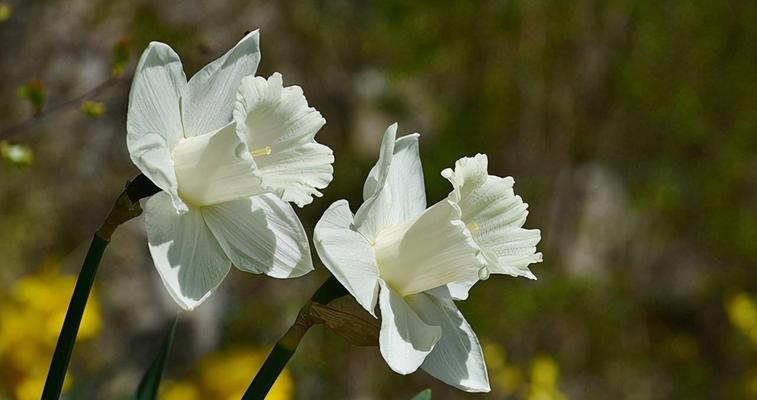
<point x="148" y="386"/>
<point x="424" y="395"/>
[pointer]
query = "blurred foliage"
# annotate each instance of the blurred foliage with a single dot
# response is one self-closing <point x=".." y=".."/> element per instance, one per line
<point x="94" y="109"/>
<point x="121" y="54"/>
<point x="31" y="314"/>
<point x="35" y="92"/>
<point x="16" y="154"/>
<point x="628" y="125"/>
<point x="225" y="376"/>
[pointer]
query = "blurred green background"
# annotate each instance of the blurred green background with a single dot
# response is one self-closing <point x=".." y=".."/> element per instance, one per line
<point x="629" y="126"/>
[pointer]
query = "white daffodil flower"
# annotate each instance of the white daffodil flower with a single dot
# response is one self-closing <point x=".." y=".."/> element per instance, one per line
<point x="225" y="182"/>
<point x="407" y="258"/>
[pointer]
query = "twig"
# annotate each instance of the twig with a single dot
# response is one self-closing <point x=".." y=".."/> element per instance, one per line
<point x="20" y="127"/>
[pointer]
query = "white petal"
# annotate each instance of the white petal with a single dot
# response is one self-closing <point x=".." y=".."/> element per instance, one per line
<point x="261" y="234"/>
<point x="153" y="120"/>
<point x="189" y="260"/>
<point x="394" y="188"/>
<point x="280" y="131"/>
<point x="495" y="216"/>
<point x="405" y="339"/>
<point x="347" y="254"/>
<point x="209" y="99"/>
<point x="459" y="289"/>
<point x="431" y="251"/>
<point x="457" y="358"/>
<point x="215" y="168"/>
<point x="380" y="171"/>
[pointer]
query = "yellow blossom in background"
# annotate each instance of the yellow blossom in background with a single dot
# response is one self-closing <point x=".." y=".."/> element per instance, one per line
<point x="180" y="391"/>
<point x="31" y="315"/>
<point x="5" y="11"/>
<point x="505" y="378"/>
<point x="742" y="311"/>
<point x="94" y="109"/>
<point x="544" y="377"/>
<point x="225" y="376"/>
<point x="509" y="379"/>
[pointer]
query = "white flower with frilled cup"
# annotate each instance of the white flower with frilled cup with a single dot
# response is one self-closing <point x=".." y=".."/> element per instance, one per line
<point x="228" y="151"/>
<point x="407" y="258"/>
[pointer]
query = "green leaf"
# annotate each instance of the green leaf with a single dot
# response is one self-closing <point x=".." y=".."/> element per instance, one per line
<point x="35" y="92"/>
<point x="121" y="54"/>
<point x="16" y="154"/>
<point x="424" y="395"/>
<point x="94" y="109"/>
<point x="148" y="386"/>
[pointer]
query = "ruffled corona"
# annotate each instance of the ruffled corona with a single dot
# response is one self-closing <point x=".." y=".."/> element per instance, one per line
<point x="494" y="215"/>
<point x="280" y="129"/>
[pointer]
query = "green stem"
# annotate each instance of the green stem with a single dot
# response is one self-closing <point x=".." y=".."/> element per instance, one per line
<point x="287" y="345"/>
<point x="67" y="337"/>
<point x="126" y="208"/>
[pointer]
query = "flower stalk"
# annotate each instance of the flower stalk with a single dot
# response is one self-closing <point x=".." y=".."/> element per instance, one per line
<point x="287" y="345"/>
<point x="125" y="208"/>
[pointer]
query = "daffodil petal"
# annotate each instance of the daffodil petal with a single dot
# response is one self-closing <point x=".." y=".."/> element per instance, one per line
<point x="262" y="235"/>
<point x="459" y="289"/>
<point x="378" y="174"/>
<point x="457" y="358"/>
<point x="394" y="189"/>
<point x="280" y="130"/>
<point x="347" y="254"/>
<point x="153" y="120"/>
<point x="208" y="101"/>
<point x="404" y="339"/>
<point x="188" y="259"/>
<point x="495" y="216"/>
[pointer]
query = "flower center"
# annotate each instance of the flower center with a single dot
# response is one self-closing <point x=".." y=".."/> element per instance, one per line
<point x="263" y="151"/>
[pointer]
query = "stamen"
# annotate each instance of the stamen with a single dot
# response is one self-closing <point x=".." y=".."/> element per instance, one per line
<point x="263" y="151"/>
<point x="473" y="227"/>
<point x="483" y="273"/>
